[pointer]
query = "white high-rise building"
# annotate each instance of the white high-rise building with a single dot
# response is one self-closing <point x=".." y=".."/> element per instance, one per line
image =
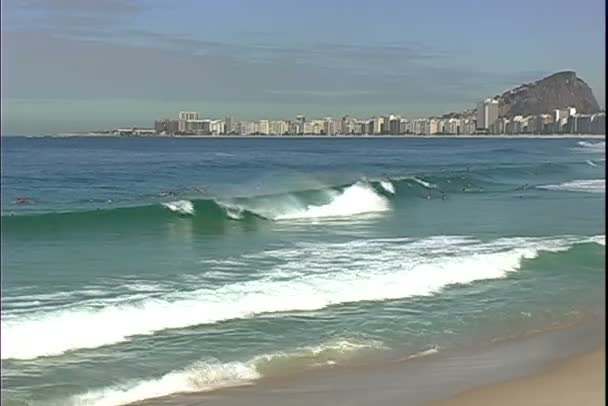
<point x="263" y="127"/>
<point x="487" y="114"/>
<point x="278" y="127"/>
<point x="378" y="121"/>
<point x="248" y="127"/>
<point x="329" y="126"/>
<point x="183" y="117"/>
<point x="228" y="125"/>
<point x="308" y="128"/>
<point x="216" y="127"/>
<point x="454" y="126"/>
<point x="187" y="115"/>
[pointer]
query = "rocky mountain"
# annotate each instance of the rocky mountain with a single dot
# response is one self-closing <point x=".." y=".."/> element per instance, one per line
<point x="556" y="91"/>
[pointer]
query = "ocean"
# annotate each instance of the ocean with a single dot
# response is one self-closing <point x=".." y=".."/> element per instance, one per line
<point x="138" y="268"/>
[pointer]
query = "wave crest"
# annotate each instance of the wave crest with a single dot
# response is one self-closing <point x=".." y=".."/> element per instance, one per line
<point x="387" y="186"/>
<point x="180" y="206"/>
<point x="599" y="146"/>
<point x="359" y="198"/>
<point x="589" y="186"/>
<point x="340" y="201"/>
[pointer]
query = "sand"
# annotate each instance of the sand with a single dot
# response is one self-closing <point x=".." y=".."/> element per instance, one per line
<point x="564" y="366"/>
<point x="579" y="380"/>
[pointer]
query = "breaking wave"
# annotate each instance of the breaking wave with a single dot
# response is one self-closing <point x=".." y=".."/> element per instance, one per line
<point x="308" y="277"/>
<point x="589" y="186"/>
<point x="342" y="201"/>
<point x="599" y="146"/>
<point x="387" y="186"/>
<point x="591" y="163"/>
<point x="357" y="199"/>
<point x="419" y="181"/>
<point x="180" y="206"/>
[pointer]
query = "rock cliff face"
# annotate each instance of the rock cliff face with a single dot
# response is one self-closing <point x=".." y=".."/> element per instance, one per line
<point x="557" y="91"/>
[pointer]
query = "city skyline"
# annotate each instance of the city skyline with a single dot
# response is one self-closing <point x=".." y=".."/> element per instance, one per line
<point x="485" y="120"/>
<point x="70" y="65"/>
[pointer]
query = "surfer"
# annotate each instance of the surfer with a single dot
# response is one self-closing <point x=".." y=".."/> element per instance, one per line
<point x="23" y="200"/>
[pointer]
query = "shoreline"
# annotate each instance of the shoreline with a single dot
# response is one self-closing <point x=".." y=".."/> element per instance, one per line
<point x="428" y="379"/>
<point x="579" y="379"/>
<point x="408" y="136"/>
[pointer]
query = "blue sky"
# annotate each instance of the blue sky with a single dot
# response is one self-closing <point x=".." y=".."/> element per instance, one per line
<point x="81" y="64"/>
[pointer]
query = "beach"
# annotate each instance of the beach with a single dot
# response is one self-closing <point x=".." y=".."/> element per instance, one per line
<point x="564" y="366"/>
<point x="579" y="380"/>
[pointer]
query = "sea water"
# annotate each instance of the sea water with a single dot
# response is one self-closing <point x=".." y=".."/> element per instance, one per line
<point x="136" y="268"/>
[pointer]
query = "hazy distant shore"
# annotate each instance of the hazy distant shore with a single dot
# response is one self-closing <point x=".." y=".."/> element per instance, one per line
<point x="548" y="136"/>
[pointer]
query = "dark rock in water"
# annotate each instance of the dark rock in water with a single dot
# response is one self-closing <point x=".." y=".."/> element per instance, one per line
<point x="558" y="91"/>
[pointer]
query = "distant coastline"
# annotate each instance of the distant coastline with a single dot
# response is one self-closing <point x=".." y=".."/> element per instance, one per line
<point x="312" y="136"/>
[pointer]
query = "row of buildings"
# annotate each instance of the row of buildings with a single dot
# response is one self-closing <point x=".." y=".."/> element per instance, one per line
<point x="559" y="121"/>
<point x="485" y="121"/>
<point x="190" y="123"/>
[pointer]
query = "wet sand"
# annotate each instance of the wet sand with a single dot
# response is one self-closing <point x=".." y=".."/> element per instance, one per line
<point x="563" y="363"/>
<point x="579" y="380"/>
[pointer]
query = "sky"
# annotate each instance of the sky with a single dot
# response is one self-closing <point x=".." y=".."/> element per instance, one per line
<point x="72" y="65"/>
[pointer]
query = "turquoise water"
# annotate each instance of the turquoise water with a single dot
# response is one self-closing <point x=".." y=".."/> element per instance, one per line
<point x="135" y="268"/>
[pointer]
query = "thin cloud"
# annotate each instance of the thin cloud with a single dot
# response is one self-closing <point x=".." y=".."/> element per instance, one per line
<point x="38" y="65"/>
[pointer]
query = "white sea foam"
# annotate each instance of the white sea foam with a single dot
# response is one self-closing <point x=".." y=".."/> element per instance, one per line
<point x="199" y="377"/>
<point x="599" y="146"/>
<point x="306" y="277"/>
<point x="387" y="186"/>
<point x="211" y="374"/>
<point x="590" y="163"/>
<point x="598" y="239"/>
<point x="423" y="183"/>
<point x="419" y="181"/>
<point x="235" y="213"/>
<point x="180" y="206"/>
<point x="359" y="198"/>
<point x="589" y="186"/>
<point x="430" y="351"/>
